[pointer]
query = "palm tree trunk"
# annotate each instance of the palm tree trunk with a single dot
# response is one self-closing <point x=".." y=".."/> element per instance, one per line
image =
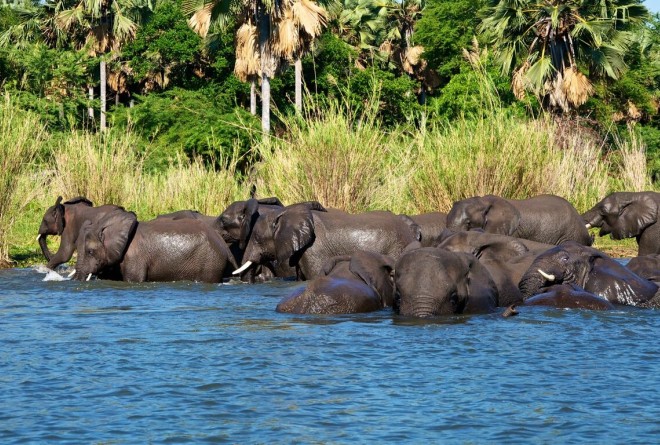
<point x="253" y="97"/>
<point x="90" y="109"/>
<point x="298" y="66"/>
<point x="103" y="93"/>
<point x="263" y="18"/>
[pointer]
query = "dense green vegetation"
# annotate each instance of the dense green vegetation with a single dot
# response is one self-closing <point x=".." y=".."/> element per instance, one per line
<point x="381" y="127"/>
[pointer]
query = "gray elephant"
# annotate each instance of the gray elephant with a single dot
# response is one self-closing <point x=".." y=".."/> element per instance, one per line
<point x="569" y="296"/>
<point x="590" y="269"/>
<point x="431" y="281"/>
<point x="546" y="218"/>
<point x="629" y="215"/>
<point x="361" y="282"/>
<point x="157" y="250"/>
<point x="305" y="238"/>
<point x="66" y="219"/>
<point x="507" y="258"/>
<point x="646" y="266"/>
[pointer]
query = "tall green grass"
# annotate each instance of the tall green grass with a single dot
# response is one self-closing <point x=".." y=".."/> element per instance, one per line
<point x="21" y="135"/>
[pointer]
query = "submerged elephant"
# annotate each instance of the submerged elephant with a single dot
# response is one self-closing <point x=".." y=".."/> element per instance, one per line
<point x="546" y="218"/>
<point x="569" y="296"/>
<point x="157" y="250"/>
<point x="66" y="219"/>
<point x="629" y="215"/>
<point x="507" y="258"/>
<point x="305" y="238"/>
<point x="590" y="269"/>
<point x="361" y="282"/>
<point x="431" y="281"/>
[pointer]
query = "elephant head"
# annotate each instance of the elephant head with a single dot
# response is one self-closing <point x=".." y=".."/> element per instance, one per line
<point x="54" y="221"/>
<point x="490" y="213"/>
<point x="432" y="281"/>
<point x="588" y="268"/>
<point x="624" y="214"/>
<point x="238" y="219"/>
<point x="281" y="236"/>
<point x="103" y="244"/>
<point x="374" y="269"/>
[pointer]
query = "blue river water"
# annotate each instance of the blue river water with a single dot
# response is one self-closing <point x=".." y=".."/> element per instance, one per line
<point x="116" y="363"/>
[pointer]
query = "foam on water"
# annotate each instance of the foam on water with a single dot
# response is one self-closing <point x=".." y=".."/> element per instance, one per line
<point x="51" y="275"/>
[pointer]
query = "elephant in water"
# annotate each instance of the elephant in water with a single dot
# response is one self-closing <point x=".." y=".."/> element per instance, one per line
<point x="66" y="219"/>
<point x="628" y="215"/>
<point x="361" y="282"/>
<point x="430" y="281"/>
<point x="547" y="219"/>
<point x="569" y="296"/>
<point x="589" y="269"/>
<point x="157" y="250"/>
<point x="306" y="238"/>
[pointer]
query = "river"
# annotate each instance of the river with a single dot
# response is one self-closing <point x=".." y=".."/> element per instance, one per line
<point x="116" y="363"/>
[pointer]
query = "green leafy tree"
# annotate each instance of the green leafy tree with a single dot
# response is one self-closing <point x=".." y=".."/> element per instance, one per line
<point x="551" y="44"/>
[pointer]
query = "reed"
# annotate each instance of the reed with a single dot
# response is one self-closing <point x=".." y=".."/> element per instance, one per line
<point x="630" y="162"/>
<point x="21" y="135"/>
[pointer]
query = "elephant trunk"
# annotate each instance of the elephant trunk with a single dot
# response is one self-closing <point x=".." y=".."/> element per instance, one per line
<point x="592" y="218"/>
<point x="531" y="283"/>
<point x="44" y="246"/>
<point x="420" y="306"/>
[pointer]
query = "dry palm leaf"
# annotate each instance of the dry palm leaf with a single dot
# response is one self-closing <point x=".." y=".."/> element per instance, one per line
<point x="201" y="20"/>
<point x="248" y="62"/>
<point x="519" y="83"/>
<point x="633" y="112"/>
<point x="309" y="16"/>
<point x="576" y="87"/>
<point x="287" y="41"/>
<point x="555" y="93"/>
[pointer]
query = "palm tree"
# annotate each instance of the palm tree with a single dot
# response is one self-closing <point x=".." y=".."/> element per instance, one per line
<point x="299" y="24"/>
<point x="106" y="24"/>
<point x="551" y="44"/>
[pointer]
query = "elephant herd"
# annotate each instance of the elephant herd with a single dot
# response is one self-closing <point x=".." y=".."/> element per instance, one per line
<point x="486" y="253"/>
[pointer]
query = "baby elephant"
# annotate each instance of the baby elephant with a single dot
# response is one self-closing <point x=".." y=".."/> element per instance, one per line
<point x="349" y="284"/>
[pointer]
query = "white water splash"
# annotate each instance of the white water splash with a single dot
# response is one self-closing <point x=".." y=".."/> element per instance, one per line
<point x="51" y="275"/>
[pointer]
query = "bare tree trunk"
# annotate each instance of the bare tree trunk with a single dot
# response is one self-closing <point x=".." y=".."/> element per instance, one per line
<point x="298" y="66"/>
<point x="263" y="18"/>
<point x="90" y="109"/>
<point x="103" y="93"/>
<point x="253" y="97"/>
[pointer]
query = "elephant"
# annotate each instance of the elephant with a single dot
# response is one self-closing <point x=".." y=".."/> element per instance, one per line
<point x="430" y="281"/>
<point x="547" y="219"/>
<point x="628" y="215"/>
<point x="590" y="269"/>
<point x="306" y="238"/>
<point x="569" y="296"/>
<point x="506" y="257"/>
<point x="361" y="282"/>
<point x="646" y="266"/>
<point x="431" y="226"/>
<point x="157" y="250"/>
<point x="66" y="219"/>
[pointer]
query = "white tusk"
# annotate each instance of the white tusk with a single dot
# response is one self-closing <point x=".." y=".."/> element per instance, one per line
<point x="242" y="269"/>
<point x="38" y="237"/>
<point x="72" y="273"/>
<point x="588" y="226"/>
<point x="548" y="277"/>
<point x="89" y="277"/>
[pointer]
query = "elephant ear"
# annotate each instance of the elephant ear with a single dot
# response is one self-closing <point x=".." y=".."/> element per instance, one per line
<point x="377" y="271"/>
<point x="481" y="289"/>
<point x="293" y="231"/>
<point x="272" y="201"/>
<point x="501" y="216"/>
<point x="115" y="231"/>
<point x="58" y="214"/>
<point x="414" y="227"/>
<point x="248" y="218"/>
<point x="634" y="216"/>
<point x="329" y="265"/>
<point x="79" y="200"/>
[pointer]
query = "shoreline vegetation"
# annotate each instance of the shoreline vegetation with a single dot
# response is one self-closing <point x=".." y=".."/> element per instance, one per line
<point x="332" y="154"/>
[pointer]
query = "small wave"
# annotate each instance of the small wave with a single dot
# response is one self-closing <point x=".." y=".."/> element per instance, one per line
<point x="51" y="275"/>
